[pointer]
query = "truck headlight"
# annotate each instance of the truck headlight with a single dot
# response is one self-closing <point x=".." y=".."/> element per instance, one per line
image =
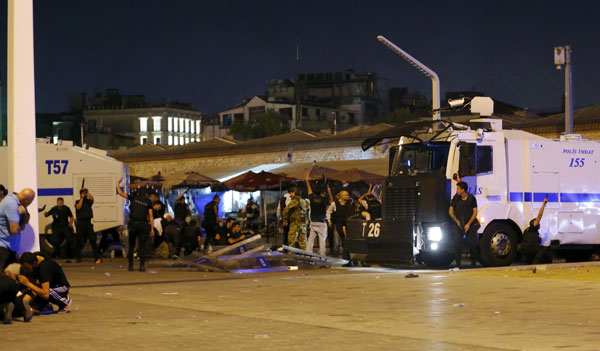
<point x="434" y="233"/>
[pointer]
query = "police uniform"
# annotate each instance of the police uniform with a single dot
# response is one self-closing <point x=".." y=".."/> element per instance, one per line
<point x="139" y="227"/>
<point x="85" y="228"/>
<point x="296" y="213"/>
<point x="60" y="229"/>
<point x="210" y="224"/>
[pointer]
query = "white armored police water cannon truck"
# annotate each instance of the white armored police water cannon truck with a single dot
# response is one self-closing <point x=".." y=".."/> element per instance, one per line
<point x="510" y="172"/>
<point x="62" y="168"/>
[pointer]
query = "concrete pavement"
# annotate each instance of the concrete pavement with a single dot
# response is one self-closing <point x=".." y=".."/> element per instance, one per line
<point x="321" y="309"/>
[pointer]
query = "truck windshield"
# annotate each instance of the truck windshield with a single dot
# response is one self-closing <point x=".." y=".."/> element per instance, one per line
<point x="420" y="158"/>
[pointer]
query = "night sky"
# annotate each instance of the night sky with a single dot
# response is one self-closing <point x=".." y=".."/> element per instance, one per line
<point x="214" y="53"/>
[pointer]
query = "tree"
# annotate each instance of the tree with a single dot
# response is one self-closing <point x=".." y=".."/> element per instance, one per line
<point x="240" y="128"/>
<point x="267" y="124"/>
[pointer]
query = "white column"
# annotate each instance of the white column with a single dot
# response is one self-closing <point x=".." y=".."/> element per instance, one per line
<point x="21" y="113"/>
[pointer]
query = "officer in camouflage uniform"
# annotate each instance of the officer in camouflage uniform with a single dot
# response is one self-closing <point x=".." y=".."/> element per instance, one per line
<point x="296" y="214"/>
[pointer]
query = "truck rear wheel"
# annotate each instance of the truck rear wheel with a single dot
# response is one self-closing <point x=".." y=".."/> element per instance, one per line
<point x="498" y="245"/>
<point x="437" y="259"/>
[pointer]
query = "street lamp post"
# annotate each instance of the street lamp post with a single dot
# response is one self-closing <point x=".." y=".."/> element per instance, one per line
<point x="435" y="80"/>
<point x="562" y="57"/>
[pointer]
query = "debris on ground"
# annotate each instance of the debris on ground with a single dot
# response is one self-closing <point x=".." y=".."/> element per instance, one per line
<point x="252" y="255"/>
<point x="411" y="275"/>
<point x="459" y="304"/>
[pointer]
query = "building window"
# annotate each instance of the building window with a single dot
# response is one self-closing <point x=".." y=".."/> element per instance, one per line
<point x="181" y="141"/>
<point x="157" y="140"/>
<point x="192" y="125"/>
<point x="304" y="112"/>
<point x="227" y="120"/>
<point x="318" y="112"/>
<point x="170" y="139"/>
<point x="143" y="124"/>
<point x="198" y="130"/>
<point x="170" y="124"/>
<point x="175" y="124"/>
<point x="156" y="122"/>
<point x="187" y="125"/>
<point x="143" y="140"/>
<point x="187" y="140"/>
<point x="351" y="118"/>
<point x="181" y="125"/>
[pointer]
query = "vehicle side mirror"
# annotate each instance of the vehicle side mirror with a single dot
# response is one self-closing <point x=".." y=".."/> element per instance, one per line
<point x="455" y="176"/>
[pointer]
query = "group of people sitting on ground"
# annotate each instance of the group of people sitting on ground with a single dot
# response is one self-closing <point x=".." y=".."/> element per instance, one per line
<point x="181" y="234"/>
<point x="33" y="286"/>
<point x="322" y="216"/>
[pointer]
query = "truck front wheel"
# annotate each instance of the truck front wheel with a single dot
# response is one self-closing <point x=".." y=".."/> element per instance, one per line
<point x="498" y="245"/>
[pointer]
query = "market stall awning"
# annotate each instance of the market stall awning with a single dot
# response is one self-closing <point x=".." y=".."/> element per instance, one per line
<point x="355" y="175"/>
<point x="251" y="181"/>
<point x="188" y="180"/>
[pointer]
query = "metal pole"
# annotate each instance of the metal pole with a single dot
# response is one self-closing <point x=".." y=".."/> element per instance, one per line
<point x="568" y="92"/>
<point x="21" y="115"/>
<point x="435" y="80"/>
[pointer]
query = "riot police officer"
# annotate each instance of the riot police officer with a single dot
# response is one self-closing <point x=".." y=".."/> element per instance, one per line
<point x="140" y="226"/>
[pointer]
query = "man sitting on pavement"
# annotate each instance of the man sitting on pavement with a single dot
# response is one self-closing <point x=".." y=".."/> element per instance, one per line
<point x="236" y="234"/>
<point x="53" y="284"/>
<point x="531" y="245"/>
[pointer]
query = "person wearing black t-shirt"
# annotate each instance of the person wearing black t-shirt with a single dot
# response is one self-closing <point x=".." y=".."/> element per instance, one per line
<point x="181" y="209"/>
<point x="53" y="284"/>
<point x="139" y="226"/>
<point x="210" y="223"/>
<point x="192" y="238"/>
<point x="338" y="213"/>
<point x="370" y="206"/>
<point x="62" y="224"/>
<point x="531" y="246"/>
<point x="319" y="201"/>
<point x="236" y="234"/>
<point x="84" y="226"/>
<point x="158" y="213"/>
<point x="221" y="236"/>
<point x="463" y="211"/>
<point x="251" y="213"/>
